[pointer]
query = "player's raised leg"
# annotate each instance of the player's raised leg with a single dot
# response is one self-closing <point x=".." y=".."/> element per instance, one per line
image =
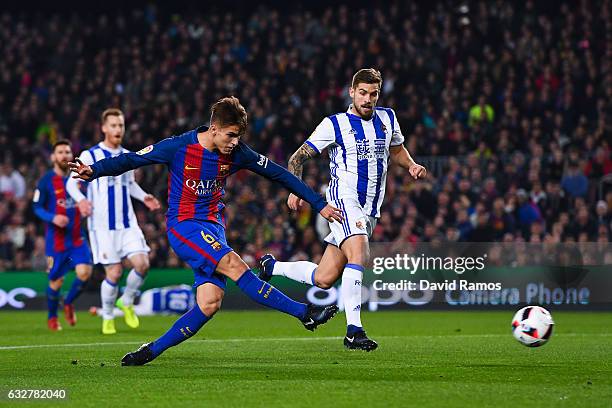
<point x="323" y="275"/>
<point x="232" y="266"/>
<point x="83" y="272"/>
<point x="109" y="289"/>
<point x="208" y="298"/>
<point x="135" y="279"/>
<point x="347" y="262"/>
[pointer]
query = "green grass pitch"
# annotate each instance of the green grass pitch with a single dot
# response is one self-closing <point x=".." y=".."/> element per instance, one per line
<point x="257" y="358"/>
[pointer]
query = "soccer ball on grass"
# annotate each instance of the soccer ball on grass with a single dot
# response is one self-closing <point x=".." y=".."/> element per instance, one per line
<point x="532" y="326"/>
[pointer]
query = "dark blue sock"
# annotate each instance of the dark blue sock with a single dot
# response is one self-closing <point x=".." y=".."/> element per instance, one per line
<point x="53" y="297"/>
<point x="186" y="326"/>
<point x="352" y="329"/>
<point x="75" y="291"/>
<point x="267" y="295"/>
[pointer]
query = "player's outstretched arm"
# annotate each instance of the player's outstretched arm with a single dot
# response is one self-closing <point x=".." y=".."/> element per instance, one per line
<point x="296" y="167"/>
<point x="401" y="156"/>
<point x="161" y="152"/>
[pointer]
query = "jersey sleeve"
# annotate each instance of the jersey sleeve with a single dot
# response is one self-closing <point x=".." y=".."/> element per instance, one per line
<point x="323" y="136"/>
<point x="397" y="138"/>
<point x="246" y="158"/>
<point x="159" y="153"/>
<point x="41" y="195"/>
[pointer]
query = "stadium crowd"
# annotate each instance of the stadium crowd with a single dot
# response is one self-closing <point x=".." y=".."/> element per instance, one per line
<point x="507" y="104"/>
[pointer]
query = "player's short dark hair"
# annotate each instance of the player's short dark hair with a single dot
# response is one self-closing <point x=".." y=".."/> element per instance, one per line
<point x="229" y="112"/>
<point x="367" y="76"/>
<point x="61" y="142"/>
<point x="111" y="112"/>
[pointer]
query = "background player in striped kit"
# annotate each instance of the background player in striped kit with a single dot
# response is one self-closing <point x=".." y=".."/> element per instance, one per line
<point x="114" y="233"/>
<point x="199" y="162"/>
<point x="66" y="247"/>
<point x="361" y="141"/>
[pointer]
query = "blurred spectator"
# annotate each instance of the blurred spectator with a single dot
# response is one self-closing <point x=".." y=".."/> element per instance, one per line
<point x="12" y="183"/>
<point x="574" y="182"/>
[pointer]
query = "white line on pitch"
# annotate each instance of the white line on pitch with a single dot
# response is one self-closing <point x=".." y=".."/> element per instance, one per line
<point x="262" y="339"/>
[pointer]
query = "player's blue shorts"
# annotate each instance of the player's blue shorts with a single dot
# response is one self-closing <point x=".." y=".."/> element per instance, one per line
<point x="60" y="263"/>
<point x="202" y="245"/>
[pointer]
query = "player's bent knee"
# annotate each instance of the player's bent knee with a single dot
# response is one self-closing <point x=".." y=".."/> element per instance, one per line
<point x="56" y="283"/>
<point x="232" y="266"/>
<point x="141" y="264"/>
<point x="323" y="284"/>
<point x="83" y="273"/>
<point x="210" y="308"/>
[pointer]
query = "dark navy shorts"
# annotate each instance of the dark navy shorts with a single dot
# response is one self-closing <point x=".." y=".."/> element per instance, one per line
<point x="202" y="245"/>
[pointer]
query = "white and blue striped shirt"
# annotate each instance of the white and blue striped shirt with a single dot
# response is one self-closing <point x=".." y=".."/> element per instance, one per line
<point x="359" y="155"/>
<point x="110" y="196"/>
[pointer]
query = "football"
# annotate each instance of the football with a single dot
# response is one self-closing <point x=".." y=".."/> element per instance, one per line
<point x="532" y="326"/>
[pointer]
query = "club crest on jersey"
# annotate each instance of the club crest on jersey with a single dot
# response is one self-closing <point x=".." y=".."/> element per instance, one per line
<point x="224" y="170"/>
<point x="383" y="127"/>
<point x="145" y="150"/>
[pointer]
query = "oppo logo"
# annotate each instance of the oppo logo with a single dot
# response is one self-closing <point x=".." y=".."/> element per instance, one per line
<point x="10" y="297"/>
<point x="370" y="296"/>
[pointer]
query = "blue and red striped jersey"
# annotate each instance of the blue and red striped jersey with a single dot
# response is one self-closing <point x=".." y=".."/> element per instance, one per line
<point x="51" y="199"/>
<point x="197" y="176"/>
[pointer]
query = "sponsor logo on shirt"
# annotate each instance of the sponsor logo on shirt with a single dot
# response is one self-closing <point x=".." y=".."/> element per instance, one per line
<point x="204" y="187"/>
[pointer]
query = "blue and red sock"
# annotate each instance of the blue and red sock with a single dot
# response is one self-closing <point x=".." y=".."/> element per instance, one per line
<point x="186" y="326"/>
<point x="75" y="291"/>
<point x="53" y="298"/>
<point x="267" y="295"/>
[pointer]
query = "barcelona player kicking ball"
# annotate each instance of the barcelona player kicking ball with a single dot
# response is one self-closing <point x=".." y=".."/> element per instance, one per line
<point x="199" y="162"/>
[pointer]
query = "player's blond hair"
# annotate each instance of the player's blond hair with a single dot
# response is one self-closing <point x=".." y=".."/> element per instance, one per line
<point x="111" y="112"/>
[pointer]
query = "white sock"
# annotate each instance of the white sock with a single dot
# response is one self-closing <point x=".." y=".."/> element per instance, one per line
<point x="301" y="271"/>
<point x="351" y="294"/>
<point x="108" y="293"/>
<point x="132" y="284"/>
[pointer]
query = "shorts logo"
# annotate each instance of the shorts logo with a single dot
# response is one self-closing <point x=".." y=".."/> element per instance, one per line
<point x="49" y="263"/>
<point x="211" y="240"/>
<point x="359" y="224"/>
<point x="145" y="150"/>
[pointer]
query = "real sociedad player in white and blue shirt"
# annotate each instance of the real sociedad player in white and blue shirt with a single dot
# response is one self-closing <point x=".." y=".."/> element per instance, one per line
<point x="360" y="142"/>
